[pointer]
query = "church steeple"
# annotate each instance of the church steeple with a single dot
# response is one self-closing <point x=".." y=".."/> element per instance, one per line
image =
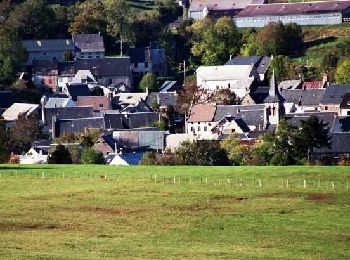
<point x="274" y="94"/>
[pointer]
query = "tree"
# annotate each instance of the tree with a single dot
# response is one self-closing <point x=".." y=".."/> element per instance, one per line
<point x="313" y="133"/>
<point x="224" y="97"/>
<point x="24" y="131"/>
<point x="214" y="41"/>
<point x="342" y="73"/>
<point x="149" y="81"/>
<point x="145" y="29"/>
<point x="236" y="153"/>
<point x="149" y="158"/>
<point x="60" y="156"/>
<point x="249" y="43"/>
<point x="284" y="68"/>
<point x="4" y="154"/>
<point x="329" y="63"/>
<point x="91" y="18"/>
<point x="91" y="156"/>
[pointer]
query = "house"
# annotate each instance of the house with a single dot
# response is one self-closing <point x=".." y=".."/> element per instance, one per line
<point x="34" y="156"/>
<point x="105" y="144"/>
<point x="161" y="100"/>
<point x="89" y="46"/>
<point x="124" y="159"/>
<point x="54" y="102"/>
<point x="12" y="113"/>
<point x="237" y="78"/>
<point x="140" y="139"/>
<point x="148" y="60"/>
<point x="45" y="74"/>
<point x="333" y="97"/>
<point x="199" y="9"/>
<point x="97" y="102"/>
<point x="305" y="13"/>
<point x="200" y="120"/>
<point x="290" y="84"/>
<point x="78" y="125"/>
<point x="118" y="121"/>
<point x="328" y="118"/>
<point x="7" y="98"/>
<point x="75" y="90"/>
<point x="85" y="77"/>
<point x="260" y="63"/>
<point x="55" y="50"/>
<point x="230" y="124"/>
<point x="114" y="71"/>
<point x="66" y="73"/>
<point x="345" y="105"/>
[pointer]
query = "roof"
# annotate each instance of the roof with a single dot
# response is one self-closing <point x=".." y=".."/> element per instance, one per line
<point x="88" y="42"/>
<point x="341" y="124"/>
<point x="307" y="97"/>
<point x="78" y="125"/>
<point x="274" y="93"/>
<point x="130" y="98"/>
<point x="326" y="117"/>
<point x="76" y="90"/>
<point x="168" y="86"/>
<point x="16" y="109"/>
<point x="334" y="94"/>
<point x="53" y="102"/>
<point x="66" y="68"/>
<point x="67" y="113"/>
<point x="7" y="98"/>
<point x="202" y="113"/>
<point x="98" y="102"/>
<point x="313" y="84"/>
<point x="294" y="8"/>
<point x="116" y="66"/>
<point x="45" y="67"/>
<point x="261" y="63"/>
<point x="132" y="158"/>
<point x="48" y="45"/>
<point x="162" y="98"/>
<point x="225" y="72"/>
<point x="199" y="5"/>
<point x="340" y="143"/>
<point x="130" y="121"/>
<point x="345" y="102"/>
<point x="290" y="84"/>
<point x="150" y="55"/>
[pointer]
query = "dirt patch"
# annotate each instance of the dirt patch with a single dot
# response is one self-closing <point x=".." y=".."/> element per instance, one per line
<point x="270" y="195"/>
<point x="112" y="211"/>
<point x="36" y="226"/>
<point x="320" y="196"/>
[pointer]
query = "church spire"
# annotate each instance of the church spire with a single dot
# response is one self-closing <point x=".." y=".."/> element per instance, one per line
<point x="274" y="94"/>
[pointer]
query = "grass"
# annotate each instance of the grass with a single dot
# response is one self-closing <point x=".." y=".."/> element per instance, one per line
<point x="139" y="213"/>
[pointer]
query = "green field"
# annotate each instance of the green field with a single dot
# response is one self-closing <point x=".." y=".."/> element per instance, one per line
<point x="95" y="212"/>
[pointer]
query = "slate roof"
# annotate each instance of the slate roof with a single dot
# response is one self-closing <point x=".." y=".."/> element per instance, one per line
<point x="199" y="5"/>
<point x="294" y="8"/>
<point x="261" y="63"/>
<point x="16" y="109"/>
<point x="345" y="102"/>
<point x="274" y="93"/>
<point x="150" y="55"/>
<point x="7" y="98"/>
<point x="78" y="125"/>
<point x="341" y="124"/>
<point x="307" y="97"/>
<point x="334" y="94"/>
<point x="130" y="121"/>
<point x="48" y="45"/>
<point x="290" y="84"/>
<point x="53" y="102"/>
<point x="44" y="67"/>
<point x="66" y="68"/>
<point x="168" y="86"/>
<point x="162" y="98"/>
<point x="67" y="113"/>
<point x="202" y="113"/>
<point x="326" y="117"/>
<point x="76" y="90"/>
<point x="88" y="43"/>
<point x="259" y="94"/>
<point x="340" y="143"/>
<point x="132" y="158"/>
<point x="104" y="67"/>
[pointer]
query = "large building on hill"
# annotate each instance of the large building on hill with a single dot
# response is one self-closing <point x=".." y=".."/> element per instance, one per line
<point x="305" y="13"/>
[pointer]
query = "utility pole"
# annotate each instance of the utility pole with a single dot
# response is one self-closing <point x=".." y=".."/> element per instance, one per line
<point x="121" y="45"/>
<point x="184" y="71"/>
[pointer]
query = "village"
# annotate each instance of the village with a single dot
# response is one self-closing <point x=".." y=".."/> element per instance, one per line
<point x="131" y="106"/>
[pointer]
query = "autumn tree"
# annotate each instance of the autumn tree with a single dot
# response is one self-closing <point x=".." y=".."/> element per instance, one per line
<point x="224" y="97"/>
<point x="149" y="81"/>
<point x="214" y="41"/>
<point x="342" y="73"/>
<point x="189" y="95"/>
<point x="284" y="68"/>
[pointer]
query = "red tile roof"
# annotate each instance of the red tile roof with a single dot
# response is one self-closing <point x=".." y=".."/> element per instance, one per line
<point x="202" y="113"/>
<point x="294" y="8"/>
<point x="98" y="102"/>
<point x="313" y="84"/>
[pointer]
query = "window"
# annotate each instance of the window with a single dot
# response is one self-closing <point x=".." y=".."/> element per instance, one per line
<point x="326" y="108"/>
<point x="205" y="128"/>
<point x="192" y="129"/>
<point x="146" y="64"/>
<point x="82" y="56"/>
<point x="89" y="57"/>
<point x="199" y="128"/>
<point x="97" y="57"/>
<point x="348" y="113"/>
<point x="100" y="105"/>
<point x="136" y="65"/>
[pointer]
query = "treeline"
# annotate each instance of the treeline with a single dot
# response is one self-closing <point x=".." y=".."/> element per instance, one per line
<point x="288" y="146"/>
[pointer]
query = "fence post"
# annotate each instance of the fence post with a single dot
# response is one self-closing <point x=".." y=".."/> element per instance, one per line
<point x="105" y="176"/>
<point x="287" y="185"/>
<point x="206" y="180"/>
<point x="304" y="184"/>
<point x="259" y="183"/>
<point x="155" y="177"/>
<point x="319" y="184"/>
<point x="174" y="180"/>
<point x="42" y="175"/>
<point x="333" y="186"/>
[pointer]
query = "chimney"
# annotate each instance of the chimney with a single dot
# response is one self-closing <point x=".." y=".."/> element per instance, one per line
<point x="43" y="102"/>
<point x="230" y="56"/>
<point x="325" y="79"/>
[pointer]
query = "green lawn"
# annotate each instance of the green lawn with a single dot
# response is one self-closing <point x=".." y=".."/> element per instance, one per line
<point x="95" y="212"/>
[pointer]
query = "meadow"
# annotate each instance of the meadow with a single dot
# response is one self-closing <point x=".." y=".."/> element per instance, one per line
<point x="95" y="212"/>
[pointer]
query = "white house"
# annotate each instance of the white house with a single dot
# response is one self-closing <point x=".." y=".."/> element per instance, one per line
<point x="34" y="156"/>
<point x="237" y="78"/>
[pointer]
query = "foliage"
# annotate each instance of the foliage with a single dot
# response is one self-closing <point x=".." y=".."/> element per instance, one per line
<point x="237" y="154"/>
<point x="24" y="131"/>
<point x="284" y="68"/>
<point x="328" y="64"/>
<point x="145" y="29"/>
<point x="279" y="39"/>
<point x="60" y="156"/>
<point x="214" y="41"/>
<point x="189" y="95"/>
<point x="342" y="75"/>
<point x="91" y="156"/>
<point x="149" y="158"/>
<point x="4" y="154"/>
<point x="203" y="152"/>
<point x="224" y="97"/>
<point x="249" y="43"/>
<point x="87" y="138"/>
<point x="149" y="81"/>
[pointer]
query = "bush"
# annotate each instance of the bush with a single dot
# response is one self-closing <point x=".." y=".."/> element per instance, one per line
<point x="149" y="158"/>
<point x="91" y="156"/>
<point x="60" y="156"/>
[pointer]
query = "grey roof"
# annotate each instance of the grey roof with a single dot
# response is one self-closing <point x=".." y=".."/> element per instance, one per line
<point x="290" y="84"/>
<point x="261" y="63"/>
<point x="259" y="94"/>
<point x="162" y="98"/>
<point x="78" y="125"/>
<point x="150" y="55"/>
<point x="340" y="143"/>
<point x="274" y="93"/>
<point x="76" y="90"/>
<point x="56" y="102"/>
<point x="132" y="158"/>
<point x="88" y="43"/>
<point x="48" y="45"/>
<point x="66" y="68"/>
<point x="307" y="97"/>
<point x="345" y="103"/>
<point x="158" y="56"/>
<point x="168" y="86"/>
<point x="326" y="117"/>
<point x="130" y="121"/>
<point x="68" y="113"/>
<point x="341" y="124"/>
<point x="7" y="98"/>
<point x="252" y="114"/>
<point x="116" y="66"/>
<point x="334" y="94"/>
<point x="44" y="67"/>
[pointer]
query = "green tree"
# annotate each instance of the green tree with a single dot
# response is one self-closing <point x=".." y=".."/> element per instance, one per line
<point x="149" y="158"/>
<point x="60" y="156"/>
<point x="250" y="43"/>
<point x="235" y="151"/>
<point x="4" y="154"/>
<point x="342" y="73"/>
<point x="214" y="41"/>
<point x="224" y="97"/>
<point x="328" y="64"/>
<point x="149" y="81"/>
<point x="91" y="156"/>
<point x="284" y="68"/>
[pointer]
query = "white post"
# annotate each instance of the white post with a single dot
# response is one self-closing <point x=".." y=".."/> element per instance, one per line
<point x="304" y="184"/>
<point x="43" y="175"/>
<point x="174" y="180"/>
<point x="259" y="183"/>
<point x="333" y="186"/>
<point x="287" y="184"/>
